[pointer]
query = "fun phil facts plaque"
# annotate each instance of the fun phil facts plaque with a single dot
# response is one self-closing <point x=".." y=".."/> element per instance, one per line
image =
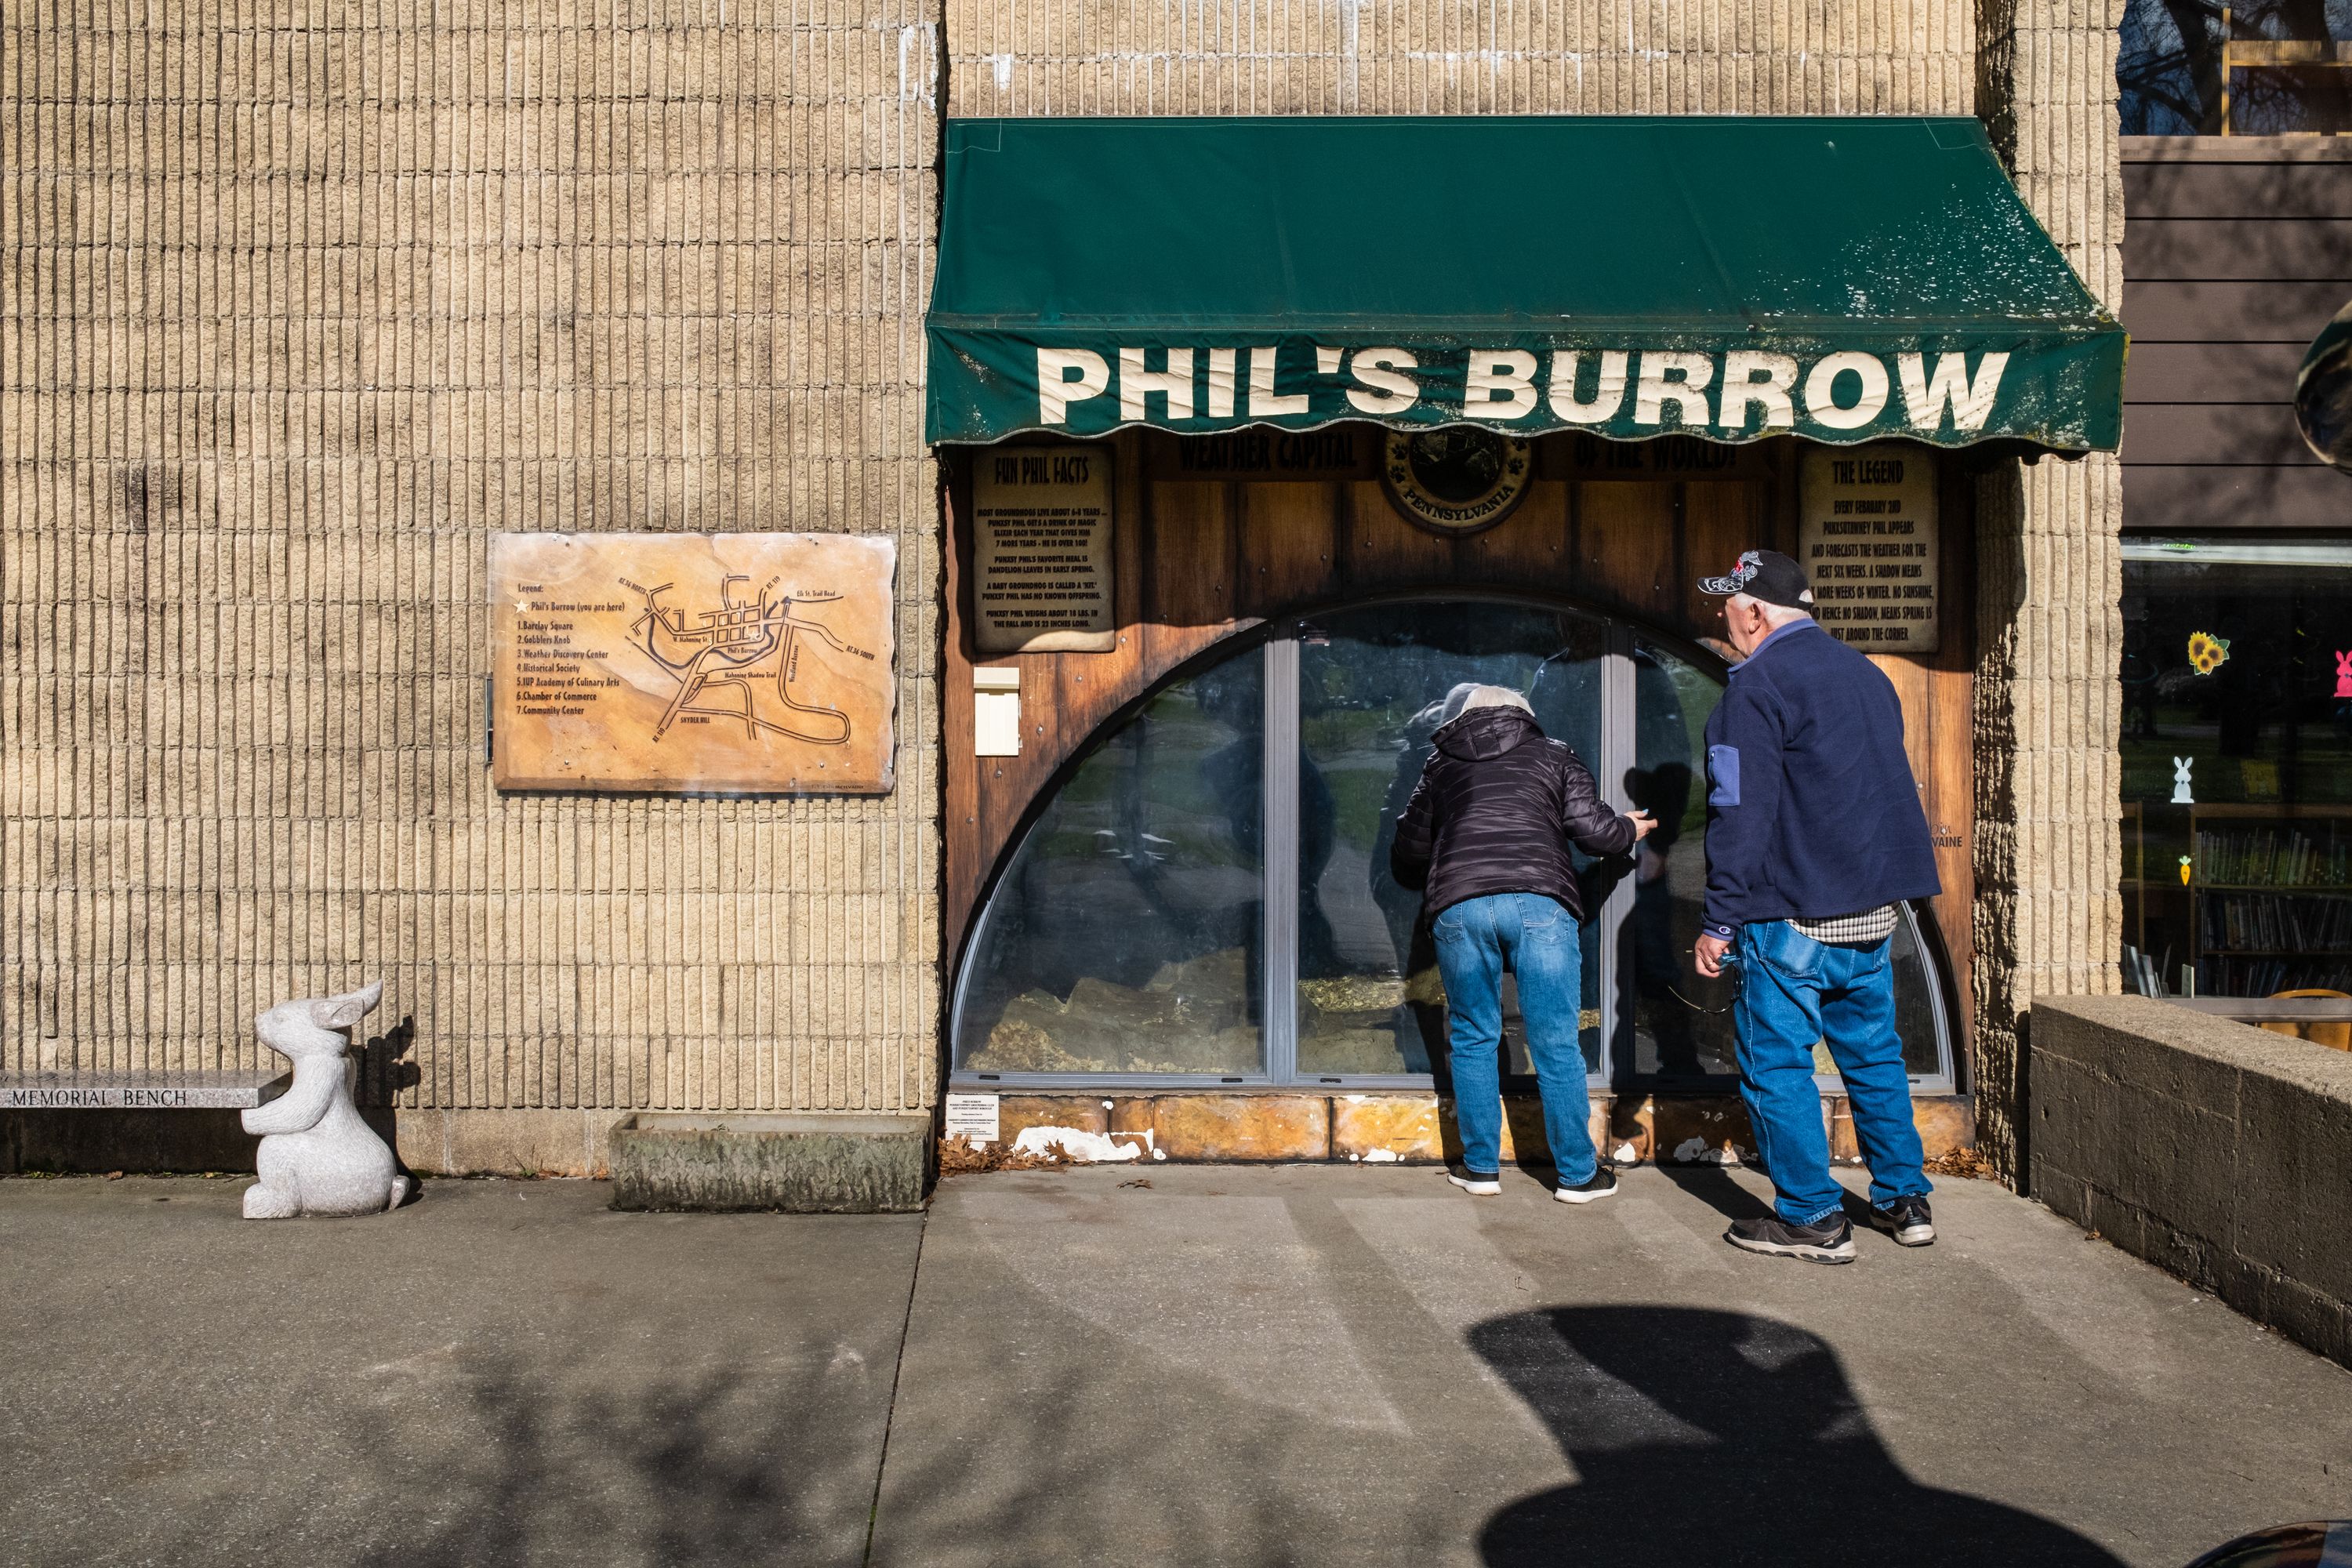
<point x="1042" y="560"/>
<point x="1868" y="543"/>
<point x="720" y="663"/>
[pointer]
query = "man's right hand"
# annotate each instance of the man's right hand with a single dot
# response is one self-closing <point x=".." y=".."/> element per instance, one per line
<point x="1710" y="952"/>
<point x="1644" y="823"/>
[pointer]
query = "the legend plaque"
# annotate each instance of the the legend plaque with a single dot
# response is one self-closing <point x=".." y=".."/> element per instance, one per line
<point x="1041" y="563"/>
<point x="724" y="663"/>
<point x="1867" y="541"/>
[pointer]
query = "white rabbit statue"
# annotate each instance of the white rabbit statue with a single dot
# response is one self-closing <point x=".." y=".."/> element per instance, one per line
<point x="317" y="1156"/>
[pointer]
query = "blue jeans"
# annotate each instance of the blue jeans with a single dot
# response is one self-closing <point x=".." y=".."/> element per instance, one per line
<point x="1538" y="939"/>
<point x="1793" y="992"/>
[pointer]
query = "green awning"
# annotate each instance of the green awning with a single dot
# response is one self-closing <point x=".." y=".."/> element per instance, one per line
<point x="1732" y="277"/>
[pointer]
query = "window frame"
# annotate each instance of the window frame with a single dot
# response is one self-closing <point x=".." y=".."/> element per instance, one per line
<point x="1279" y="640"/>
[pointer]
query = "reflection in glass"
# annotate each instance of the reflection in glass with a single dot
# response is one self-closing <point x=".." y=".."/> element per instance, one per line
<point x="2253" y="67"/>
<point x="2236" y="679"/>
<point x="1372" y="682"/>
<point x="1687" y="1035"/>
<point x="1682" y="1023"/>
<point x="1125" y="935"/>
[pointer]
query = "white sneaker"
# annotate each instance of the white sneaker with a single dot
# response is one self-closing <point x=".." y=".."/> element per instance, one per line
<point x="1476" y="1186"/>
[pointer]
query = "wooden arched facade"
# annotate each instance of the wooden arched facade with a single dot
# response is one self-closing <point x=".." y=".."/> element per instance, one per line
<point x="1623" y="531"/>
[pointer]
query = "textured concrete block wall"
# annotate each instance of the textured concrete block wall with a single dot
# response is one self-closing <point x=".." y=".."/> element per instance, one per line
<point x="1460" y="56"/>
<point x="299" y="301"/>
<point x="2049" y="912"/>
<point x="2209" y="1148"/>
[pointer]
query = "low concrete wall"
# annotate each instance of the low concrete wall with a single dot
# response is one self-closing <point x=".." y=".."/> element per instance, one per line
<point x="798" y="1163"/>
<point x="2213" y="1150"/>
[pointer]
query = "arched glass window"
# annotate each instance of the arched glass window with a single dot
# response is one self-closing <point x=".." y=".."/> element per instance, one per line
<point x="1206" y="895"/>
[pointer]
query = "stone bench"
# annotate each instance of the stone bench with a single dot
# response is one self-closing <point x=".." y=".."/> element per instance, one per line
<point x="140" y="1126"/>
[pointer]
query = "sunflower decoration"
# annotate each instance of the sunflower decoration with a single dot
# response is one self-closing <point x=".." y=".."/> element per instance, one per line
<point x="2206" y="653"/>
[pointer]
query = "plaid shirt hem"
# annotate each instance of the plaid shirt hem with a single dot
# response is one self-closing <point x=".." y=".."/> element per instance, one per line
<point x="1852" y="930"/>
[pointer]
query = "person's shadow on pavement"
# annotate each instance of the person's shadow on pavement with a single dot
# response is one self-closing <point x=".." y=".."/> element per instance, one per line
<point x="1721" y="1438"/>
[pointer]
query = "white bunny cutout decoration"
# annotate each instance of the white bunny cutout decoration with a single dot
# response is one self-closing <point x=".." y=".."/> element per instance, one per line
<point x="317" y="1156"/>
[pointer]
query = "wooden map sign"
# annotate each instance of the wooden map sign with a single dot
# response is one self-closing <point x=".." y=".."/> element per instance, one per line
<point x="1867" y="541"/>
<point x="684" y="663"/>
<point x="1041" y="552"/>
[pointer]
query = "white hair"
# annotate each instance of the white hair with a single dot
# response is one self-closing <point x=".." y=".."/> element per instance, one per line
<point x="1471" y="695"/>
<point x="1775" y="616"/>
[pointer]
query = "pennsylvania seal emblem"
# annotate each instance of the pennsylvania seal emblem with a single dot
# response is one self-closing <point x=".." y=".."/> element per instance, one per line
<point x="1456" y="481"/>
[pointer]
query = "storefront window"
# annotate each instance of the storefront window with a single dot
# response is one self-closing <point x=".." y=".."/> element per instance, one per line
<point x="1207" y="894"/>
<point x="1681" y="1024"/>
<point x="1371" y="683"/>
<point x="2237" y="767"/>
<point x="2195" y="67"/>
<point x="1125" y="938"/>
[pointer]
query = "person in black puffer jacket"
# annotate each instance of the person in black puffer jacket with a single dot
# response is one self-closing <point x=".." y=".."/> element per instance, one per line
<point x="1486" y="839"/>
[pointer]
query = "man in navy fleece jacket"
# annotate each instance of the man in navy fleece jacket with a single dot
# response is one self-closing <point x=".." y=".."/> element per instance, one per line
<point x="1814" y="838"/>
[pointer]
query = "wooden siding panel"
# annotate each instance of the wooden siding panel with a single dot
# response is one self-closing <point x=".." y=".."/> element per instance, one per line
<point x="1626" y="532"/>
<point x="2233" y="311"/>
<point x="2175" y="499"/>
<point x="2262" y="191"/>
<point x="2210" y="372"/>
<point x="2237" y="435"/>
<point x="2158" y="248"/>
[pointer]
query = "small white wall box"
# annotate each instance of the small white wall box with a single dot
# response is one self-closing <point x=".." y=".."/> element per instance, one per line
<point x="996" y="711"/>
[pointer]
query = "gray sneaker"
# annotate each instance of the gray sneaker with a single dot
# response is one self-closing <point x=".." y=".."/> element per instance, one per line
<point x="1907" y="1219"/>
<point x="1832" y="1241"/>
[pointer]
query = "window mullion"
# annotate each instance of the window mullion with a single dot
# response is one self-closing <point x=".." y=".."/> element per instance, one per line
<point x="1280" y="803"/>
<point x="1618" y="743"/>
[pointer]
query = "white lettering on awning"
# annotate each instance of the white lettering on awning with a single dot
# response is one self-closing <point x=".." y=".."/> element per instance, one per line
<point x="1500" y="385"/>
<point x="1820" y="390"/>
<point x="1678" y="378"/>
<point x="1057" y="388"/>
<point x="1608" y="393"/>
<point x="1752" y="378"/>
<point x="1925" y="395"/>
<point x="1384" y="389"/>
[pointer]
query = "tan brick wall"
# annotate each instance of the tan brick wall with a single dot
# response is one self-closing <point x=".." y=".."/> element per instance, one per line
<point x="2049" y="914"/>
<point x="300" y="300"/>
<point x="1460" y="56"/>
<point x="300" y="304"/>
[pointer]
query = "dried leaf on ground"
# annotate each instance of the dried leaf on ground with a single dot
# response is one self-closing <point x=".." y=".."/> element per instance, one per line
<point x="960" y="1156"/>
<point x="1962" y="1162"/>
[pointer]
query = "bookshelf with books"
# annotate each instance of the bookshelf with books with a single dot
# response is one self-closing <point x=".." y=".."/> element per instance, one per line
<point x="2265" y="905"/>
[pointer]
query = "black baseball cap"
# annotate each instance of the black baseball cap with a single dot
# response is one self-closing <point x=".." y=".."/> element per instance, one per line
<point x="1765" y="574"/>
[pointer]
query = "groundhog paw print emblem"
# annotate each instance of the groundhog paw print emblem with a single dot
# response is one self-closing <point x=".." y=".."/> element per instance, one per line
<point x="2206" y="653"/>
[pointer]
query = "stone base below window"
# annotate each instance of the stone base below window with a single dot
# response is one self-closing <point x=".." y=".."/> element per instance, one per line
<point x="1407" y="1128"/>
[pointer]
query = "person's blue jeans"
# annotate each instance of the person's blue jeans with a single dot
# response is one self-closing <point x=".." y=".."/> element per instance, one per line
<point x="1793" y="992"/>
<point x="1538" y="940"/>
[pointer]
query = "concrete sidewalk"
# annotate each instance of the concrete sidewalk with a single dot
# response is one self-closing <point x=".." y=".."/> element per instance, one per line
<point x="1363" y="1365"/>
<point x="505" y="1373"/>
<point x="1300" y="1366"/>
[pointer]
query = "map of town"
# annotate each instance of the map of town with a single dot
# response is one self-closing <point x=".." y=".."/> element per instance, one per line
<point x="693" y="664"/>
<point x="742" y="661"/>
